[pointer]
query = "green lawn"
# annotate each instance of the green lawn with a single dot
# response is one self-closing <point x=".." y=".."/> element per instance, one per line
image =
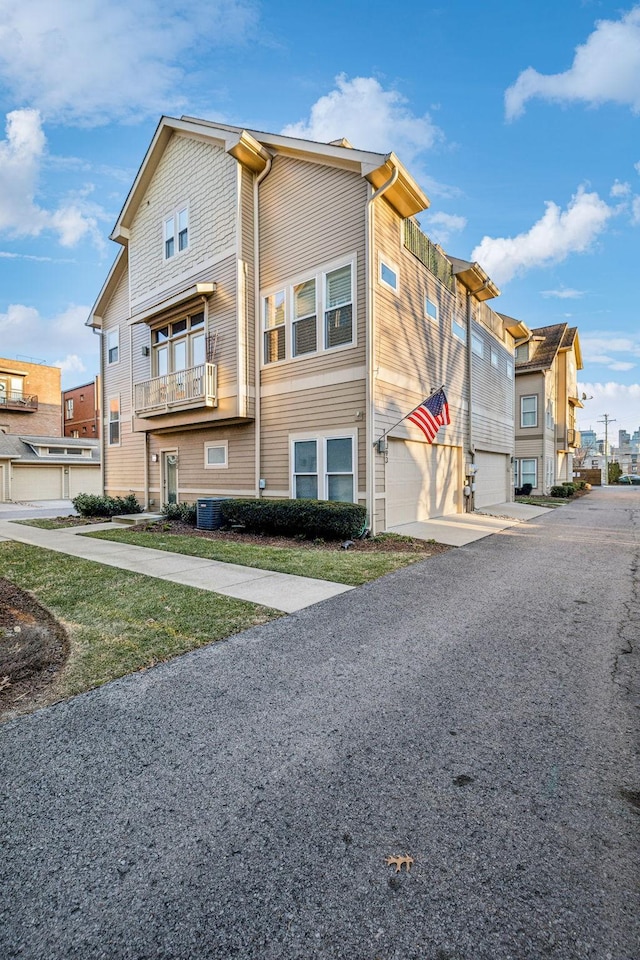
<point x="341" y="566"/>
<point x="118" y="621"/>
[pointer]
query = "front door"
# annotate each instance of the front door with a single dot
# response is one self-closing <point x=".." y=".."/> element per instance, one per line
<point x="170" y="476"/>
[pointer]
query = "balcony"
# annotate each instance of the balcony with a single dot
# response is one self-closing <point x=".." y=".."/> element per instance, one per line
<point x="573" y="438"/>
<point x="185" y="389"/>
<point x="20" y="402"/>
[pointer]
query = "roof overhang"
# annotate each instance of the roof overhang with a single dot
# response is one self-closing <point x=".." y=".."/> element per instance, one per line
<point x="576" y="402"/>
<point x="117" y="270"/>
<point x="198" y="291"/>
<point x="475" y="279"/>
<point x="404" y="194"/>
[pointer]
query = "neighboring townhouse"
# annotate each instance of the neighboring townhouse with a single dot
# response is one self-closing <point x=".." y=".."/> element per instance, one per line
<point x="547" y="362"/>
<point x="29" y="398"/>
<point x="80" y="411"/>
<point x="47" y="468"/>
<point x="274" y="311"/>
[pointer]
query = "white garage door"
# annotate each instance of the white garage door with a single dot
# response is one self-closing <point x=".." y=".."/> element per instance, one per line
<point x="84" y="480"/>
<point x="423" y="481"/>
<point x="493" y="479"/>
<point x="3" y="494"/>
<point x="36" y="483"/>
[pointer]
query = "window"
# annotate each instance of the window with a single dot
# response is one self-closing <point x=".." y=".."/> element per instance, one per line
<point x="528" y="472"/>
<point x="549" y="475"/>
<point x="114" y="421"/>
<point x="529" y="411"/>
<point x="477" y="345"/>
<point x="388" y="276"/>
<point x="431" y="309"/>
<point x="216" y="455"/>
<point x="290" y="315"/>
<point x="522" y="352"/>
<point x="179" y="345"/>
<point x="68" y="408"/>
<point x="323" y="469"/>
<point x="76" y="434"/>
<point x="113" y="345"/>
<point x="494" y="358"/>
<point x="176" y="233"/>
<point x="509" y="370"/>
<point x="550" y="421"/>
<point x="459" y="330"/>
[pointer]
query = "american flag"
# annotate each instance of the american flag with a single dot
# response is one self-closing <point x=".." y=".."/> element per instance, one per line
<point x="432" y="414"/>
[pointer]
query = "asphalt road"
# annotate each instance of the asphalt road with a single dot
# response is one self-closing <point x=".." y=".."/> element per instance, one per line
<point x="477" y="712"/>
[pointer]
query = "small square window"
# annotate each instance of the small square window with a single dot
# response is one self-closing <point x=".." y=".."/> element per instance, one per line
<point x="477" y="345"/>
<point x="431" y="309"/>
<point x="216" y="455"/>
<point x="388" y="276"/>
<point x="113" y="345"/>
<point x="459" y="330"/>
<point x="494" y="358"/>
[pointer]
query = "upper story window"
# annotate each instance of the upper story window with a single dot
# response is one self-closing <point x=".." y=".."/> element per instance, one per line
<point x="459" y="330"/>
<point x="176" y="232"/>
<point x="290" y="315"/>
<point x="494" y="358"/>
<point x="477" y="345"/>
<point x="179" y="345"/>
<point x="388" y="275"/>
<point x="114" y="421"/>
<point x="431" y="309"/>
<point x="68" y="408"/>
<point x="529" y="411"/>
<point x="509" y="369"/>
<point x="522" y="352"/>
<point x="113" y="345"/>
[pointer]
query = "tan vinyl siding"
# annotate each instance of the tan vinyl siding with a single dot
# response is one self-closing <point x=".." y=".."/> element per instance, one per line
<point x="314" y="412"/>
<point x="247" y="256"/>
<point x="201" y="176"/>
<point x="492" y="392"/>
<point x="194" y="480"/>
<point x="312" y="215"/>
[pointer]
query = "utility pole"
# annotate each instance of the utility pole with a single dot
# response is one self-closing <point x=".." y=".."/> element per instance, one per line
<point x="606" y="420"/>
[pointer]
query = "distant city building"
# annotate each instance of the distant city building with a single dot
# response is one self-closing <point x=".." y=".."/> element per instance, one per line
<point x="624" y="440"/>
<point x="588" y="440"/>
<point x="80" y="412"/>
<point x="30" y="399"/>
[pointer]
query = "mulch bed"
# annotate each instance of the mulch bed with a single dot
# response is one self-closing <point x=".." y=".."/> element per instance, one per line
<point x="33" y="649"/>
<point x="380" y="544"/>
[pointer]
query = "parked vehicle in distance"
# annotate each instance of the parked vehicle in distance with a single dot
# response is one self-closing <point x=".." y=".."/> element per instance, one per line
<point x="630" y="478"/>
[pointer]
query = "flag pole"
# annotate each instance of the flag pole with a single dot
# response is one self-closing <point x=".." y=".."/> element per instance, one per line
<point x="386" y="432"/>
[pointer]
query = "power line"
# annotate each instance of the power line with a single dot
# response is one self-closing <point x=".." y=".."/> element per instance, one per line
<point x="606" y="420"/>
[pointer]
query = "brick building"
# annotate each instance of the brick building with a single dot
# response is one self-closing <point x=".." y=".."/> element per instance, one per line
<point x="80" y="411"/>
<point x="30" y="398"/>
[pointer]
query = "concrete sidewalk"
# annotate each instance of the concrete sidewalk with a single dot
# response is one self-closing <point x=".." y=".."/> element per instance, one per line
<point x="458" y="529"/>
<point x="281" y="591"/>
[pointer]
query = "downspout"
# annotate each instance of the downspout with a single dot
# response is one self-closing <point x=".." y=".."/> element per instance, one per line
<point x="100" y="333"/>
<point x="370" y="392"/>
<point x="470" y="479"/>
<point x="258" y="329"/>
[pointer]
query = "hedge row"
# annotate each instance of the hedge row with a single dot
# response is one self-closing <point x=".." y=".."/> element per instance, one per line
<point x="290" y="518"/>
<point x="91" y="505"/>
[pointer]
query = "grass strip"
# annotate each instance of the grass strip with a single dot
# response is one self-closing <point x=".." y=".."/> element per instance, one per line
<point x="120" y="622"/>
<point x="339" y="566"/>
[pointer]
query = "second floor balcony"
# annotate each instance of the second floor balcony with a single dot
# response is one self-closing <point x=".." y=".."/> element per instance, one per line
<point x="21" y="402"/>
<point x="191" y="388"/>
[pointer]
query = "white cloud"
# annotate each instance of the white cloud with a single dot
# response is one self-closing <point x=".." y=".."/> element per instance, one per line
<point x="441" y="226"/>
<point x="92" y="62"/>
<point x="21" y="158"/>
<point x="370" y="117"/>
<point x="602" y="349"/>
<point x="635" y="211"/>
<point x="564" y="293"/>
<point x="551" y="239"/>
<point x="636" y="166"/>
<point x="620" y="400"/>
<point x="64" y="335"/>
<point x="606" y="68"/>
<point x="620" y="189"/>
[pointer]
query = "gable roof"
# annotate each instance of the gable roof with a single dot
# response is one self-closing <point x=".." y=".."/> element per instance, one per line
<point x="253" y="148"/>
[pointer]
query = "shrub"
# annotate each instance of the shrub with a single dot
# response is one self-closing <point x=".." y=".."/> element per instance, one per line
<point x="559" y="491"/>
<point x="92" y="505"/>
<point x="307" y="518"/>
<point x="185" y="512"/>
<point x="570" y="488"/>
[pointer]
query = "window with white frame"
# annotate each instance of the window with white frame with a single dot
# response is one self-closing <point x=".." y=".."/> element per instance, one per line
<point x="529" y="411"/>
<point x="216" y="455"/>
<point x="176" y="232"/>
<point x="529" y="472"/>
<point x="323" y="468"/>
<point x="431" y="309"/>
<point x="68" y="408"/>
<point x="114" y="421"/>
<point x="459" y="330"/>
<point x="549" y="472"/>
<point x="494" y="358"/>
<point x="550" y="421"/>
<point x="113" y="345"/>
<point x="477" y="346"/>
<point x="290" y="314"/>
<point x="509" y="370"/>
<point x="388" y="275"/>
<point x="179" y="345"/>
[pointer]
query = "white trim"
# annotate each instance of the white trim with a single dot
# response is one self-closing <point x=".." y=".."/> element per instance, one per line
<point x="529" y="426"/>
<point x="114" y="331"/>
<point x="384" y="261"/>
<point x="174" y="215"/>
<point x="320" y="439"/>
<point x="428" y="301"/>
<point x="458" y="330"/>
<point x="223" y="445"/>
<point x="114" y="396"/>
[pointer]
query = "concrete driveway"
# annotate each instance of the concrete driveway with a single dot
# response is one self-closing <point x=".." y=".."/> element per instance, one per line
<point x="460" y="528"/>
<point x="477" y="713"/>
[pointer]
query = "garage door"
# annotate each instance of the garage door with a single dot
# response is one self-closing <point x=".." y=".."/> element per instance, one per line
<point x="84" y="480"/>
<point x="3" y="492"/>
<point x="423" y="481"/>
<point x="493" y="479"/>
<point x="36" y="483"/>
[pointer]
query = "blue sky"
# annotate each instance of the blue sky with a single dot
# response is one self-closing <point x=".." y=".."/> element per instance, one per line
<point x="520" y="120"/>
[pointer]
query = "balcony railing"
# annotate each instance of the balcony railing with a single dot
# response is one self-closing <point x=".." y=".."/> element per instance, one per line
<point x="194" y="387"/>
<point x="426" y="252"/>
<point x="18" y="401"/>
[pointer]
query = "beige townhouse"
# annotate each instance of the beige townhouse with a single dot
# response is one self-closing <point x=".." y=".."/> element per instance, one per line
<point x="547" y="363"/>
<point x="274" y="311"/>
